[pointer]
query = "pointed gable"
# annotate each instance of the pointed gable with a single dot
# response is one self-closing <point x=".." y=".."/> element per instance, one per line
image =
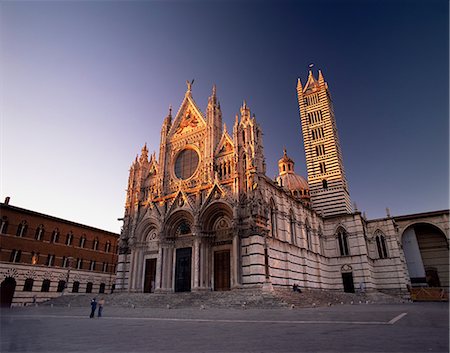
<point x="311" y="85"/>
<point x="188" y="118"/>
<point x="225" y="145"/>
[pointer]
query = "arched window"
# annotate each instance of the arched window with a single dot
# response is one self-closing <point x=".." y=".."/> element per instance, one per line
<point x="89" y="287"/>
<point x="183" y="228"/>
<point x="75" y="287"/>
<point x="22" y="229"/>
<point x="34" y="258"/>
<point x="28" y="286"/>
<point x="15" y="255"/>
<point x="381" y="246"/>
<point x="105" y="267"/>
<point x="50" y="260"/>
<point x="102" y="288"/>
<point x="61" y="286"/>
<point x="79" y="264"/>
<point x="308" y="235"/>
<point x="292" y="229"/>
<point x="107" y="246"/>
<point x="321" y="242"/>
<point x="39" y="235"/>
<point x="45" y="285"/>
<point x="95" y="244"/>
<point x="273" y="219"/>
<point x="55" y="236"/>
<point x="4" y="225"/>
<point x="69" y="238"/>
<point x="82" y="241"/>
<point x="342" y="238"/>
<point x="92" y="266"/>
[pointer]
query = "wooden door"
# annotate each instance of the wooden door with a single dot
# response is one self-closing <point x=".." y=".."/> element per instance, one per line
<point x="183" y="270"/>
<point x="150" y="275"/>
<point x="222" y="270"/>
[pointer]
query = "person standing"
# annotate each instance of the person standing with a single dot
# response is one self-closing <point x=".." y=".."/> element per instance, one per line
<point x="93" y="307"/>
<point x="101" y="303"/>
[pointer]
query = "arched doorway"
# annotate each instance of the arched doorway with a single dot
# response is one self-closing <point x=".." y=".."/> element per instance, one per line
<point x="217" y="224"/>
<point x="427" y="255"/>
<point x="179" y="231"/>
<point x="7" y="288"/>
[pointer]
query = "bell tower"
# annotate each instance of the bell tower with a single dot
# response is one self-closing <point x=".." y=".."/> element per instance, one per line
<point x="326" y="176"/>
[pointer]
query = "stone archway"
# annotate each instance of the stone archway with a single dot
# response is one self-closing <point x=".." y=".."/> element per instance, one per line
<point x="217" y="226"/>
<point x="427" y="255"/>
<point x="7" y="289"/>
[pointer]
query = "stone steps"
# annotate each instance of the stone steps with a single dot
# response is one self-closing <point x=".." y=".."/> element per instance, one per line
<point x="242" y="298"/>
<point x="239" y="298"/>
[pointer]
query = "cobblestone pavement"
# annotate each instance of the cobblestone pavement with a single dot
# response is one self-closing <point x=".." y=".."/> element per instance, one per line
<point x="415" y="327"/>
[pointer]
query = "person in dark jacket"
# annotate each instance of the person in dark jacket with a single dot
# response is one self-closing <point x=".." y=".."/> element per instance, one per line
<point x="93" y="307"/>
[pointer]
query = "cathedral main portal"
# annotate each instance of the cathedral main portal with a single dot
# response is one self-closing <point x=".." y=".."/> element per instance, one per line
<point x="183" y="270"/>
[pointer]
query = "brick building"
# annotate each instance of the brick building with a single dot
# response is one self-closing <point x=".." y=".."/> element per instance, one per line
<point x="42" y="257"/>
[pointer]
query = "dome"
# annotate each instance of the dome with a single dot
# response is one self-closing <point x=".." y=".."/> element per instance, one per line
<point x="293" y="182"/>
<point x="287" y="179"/>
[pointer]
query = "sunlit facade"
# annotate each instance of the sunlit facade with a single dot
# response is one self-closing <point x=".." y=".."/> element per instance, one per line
<point x="42" y="257"/>
<point x="204" y="215"/>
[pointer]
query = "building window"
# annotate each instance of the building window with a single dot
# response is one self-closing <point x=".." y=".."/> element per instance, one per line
<point x="39" y="232"/>
<point x="381" y="246"/>
<point x="320" y="150"/>
<point x="61" y="286"/>
<point x="92" y="266"/>
<point x="89" y="286"/>
<point x="75" y="287"/>
<point x="102" y="288"/>
<point x="15" y="255"/>
<point x="108" y="246"/>
<point x="105" y="267"/>
<point x="45" y="285"/>
<point x="22" y="229"/>
<point x="95" y="244"/>
<point x="321" y="242"/>
<point x="325" y="184"/>
<point x="69" y="238"/>
<point x="82" y="241"/>
<point x="50" y="260"/>
<point x="308" y="236"/>
<point x="34" y="258"/>
<point x="65" y="261"/>
<point x="186" y="164"/>
<point x="343" y="242"/>
<point x="273" y="220"/>
<point x="55" y="236"/>
<point x="79" y="264"/>
<point x="4" y="225"/>
<point x="322" y="168"/>
<point x="292" y="230"/>
<point x="28" y="286"/>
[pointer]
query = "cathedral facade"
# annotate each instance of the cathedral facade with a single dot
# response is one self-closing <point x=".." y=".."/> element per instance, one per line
<point x="203" y="215"/>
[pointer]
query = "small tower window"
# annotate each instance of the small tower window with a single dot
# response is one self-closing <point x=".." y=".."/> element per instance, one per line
<point x="325" y="184"/>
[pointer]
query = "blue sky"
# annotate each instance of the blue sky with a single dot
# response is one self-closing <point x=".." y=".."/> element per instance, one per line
<point x="85" y="84"/>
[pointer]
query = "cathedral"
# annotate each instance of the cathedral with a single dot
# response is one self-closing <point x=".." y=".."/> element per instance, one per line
<point x="204" y="216"/>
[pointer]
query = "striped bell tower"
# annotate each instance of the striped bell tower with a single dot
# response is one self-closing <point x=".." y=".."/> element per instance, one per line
<point x="326" y="176"/>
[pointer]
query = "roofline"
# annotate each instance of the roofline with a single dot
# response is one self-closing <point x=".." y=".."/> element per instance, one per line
<point x="24" y="210"/>
<point x="422" y="214"/>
